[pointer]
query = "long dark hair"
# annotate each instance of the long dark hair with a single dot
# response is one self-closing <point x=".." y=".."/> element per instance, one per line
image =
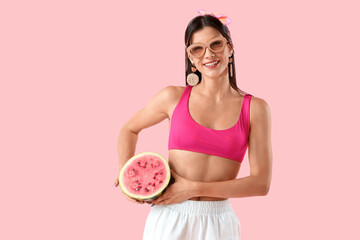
<point x="199" y="23"/>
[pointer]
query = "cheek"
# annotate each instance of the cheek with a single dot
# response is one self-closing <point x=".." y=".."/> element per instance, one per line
<point x="199" y="65"/>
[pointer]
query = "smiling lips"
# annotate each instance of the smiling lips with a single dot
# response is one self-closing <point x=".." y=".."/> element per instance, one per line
<point x="212" y="64"/>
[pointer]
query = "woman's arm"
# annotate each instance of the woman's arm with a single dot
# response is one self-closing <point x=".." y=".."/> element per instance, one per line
<point x="155" y="111"/>
<point x="260" y="160"/>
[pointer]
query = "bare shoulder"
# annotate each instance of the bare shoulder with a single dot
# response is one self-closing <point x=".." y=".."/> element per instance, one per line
<point x="169" y="96"/>
<point x="259" y="111"/>
<point x="172" y="93"/>
<point x="156" y="110"/>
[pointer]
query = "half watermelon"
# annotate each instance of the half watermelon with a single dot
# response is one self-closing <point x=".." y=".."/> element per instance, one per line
<point x="145" y="176"/>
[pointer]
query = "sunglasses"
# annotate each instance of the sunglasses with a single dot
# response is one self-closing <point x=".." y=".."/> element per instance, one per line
<point x="197" y="50"/>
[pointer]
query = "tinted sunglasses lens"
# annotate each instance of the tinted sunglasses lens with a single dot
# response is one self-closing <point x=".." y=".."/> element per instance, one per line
<point x="197" y="51"/>
<point x="217" y="45"/>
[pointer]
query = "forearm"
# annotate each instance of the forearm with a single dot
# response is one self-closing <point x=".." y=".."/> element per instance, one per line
<point x="237" y="188"/>
<point x="126" y="145"/>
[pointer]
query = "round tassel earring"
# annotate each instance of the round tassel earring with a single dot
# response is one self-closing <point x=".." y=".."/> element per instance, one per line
<point x="231" y="67"/>
<point x="192" y="79"/>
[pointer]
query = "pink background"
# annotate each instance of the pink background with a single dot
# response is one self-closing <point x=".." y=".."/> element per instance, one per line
<point x="73" y="72"/>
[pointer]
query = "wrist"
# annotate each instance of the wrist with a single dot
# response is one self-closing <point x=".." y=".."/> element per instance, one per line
<point x="195" y="189"/>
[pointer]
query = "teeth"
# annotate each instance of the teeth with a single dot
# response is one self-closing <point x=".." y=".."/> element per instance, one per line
<point x="211" y="64"/>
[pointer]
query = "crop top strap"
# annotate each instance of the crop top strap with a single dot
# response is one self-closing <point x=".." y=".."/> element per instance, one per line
<point x="246" y="111"/>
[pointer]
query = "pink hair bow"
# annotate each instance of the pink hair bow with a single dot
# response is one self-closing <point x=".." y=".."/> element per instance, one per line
<point x="224" y="19"/>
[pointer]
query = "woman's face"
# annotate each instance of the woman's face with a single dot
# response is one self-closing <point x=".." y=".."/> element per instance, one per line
<point x="204" y="36"/>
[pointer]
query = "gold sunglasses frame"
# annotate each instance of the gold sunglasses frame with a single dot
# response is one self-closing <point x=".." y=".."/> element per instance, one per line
<point x="206" y="45"/>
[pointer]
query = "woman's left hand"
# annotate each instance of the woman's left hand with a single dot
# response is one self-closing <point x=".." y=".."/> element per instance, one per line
<point x="178" y="192"/>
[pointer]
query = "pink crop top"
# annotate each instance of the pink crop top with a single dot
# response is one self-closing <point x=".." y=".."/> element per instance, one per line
<point x="186" y="134"/>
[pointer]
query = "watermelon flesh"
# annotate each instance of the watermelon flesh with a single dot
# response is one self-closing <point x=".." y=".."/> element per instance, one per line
<point x="145" y="176"/>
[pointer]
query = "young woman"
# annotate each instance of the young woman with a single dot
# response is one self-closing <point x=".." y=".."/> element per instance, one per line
<point x="212" y="123"/>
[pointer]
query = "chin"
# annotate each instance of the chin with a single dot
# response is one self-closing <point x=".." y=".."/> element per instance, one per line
<point x="213" y="74"/>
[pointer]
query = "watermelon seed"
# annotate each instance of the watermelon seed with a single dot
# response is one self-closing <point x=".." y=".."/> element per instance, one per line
<point x="154" y="184"/>
<point x="160" y="181"/>
<point x="136" y="181"/>
<point x="161" y="173"/>
<point x="156" y="173"/>
<point x="146" y="189"/>
<point x="139" y="183"/>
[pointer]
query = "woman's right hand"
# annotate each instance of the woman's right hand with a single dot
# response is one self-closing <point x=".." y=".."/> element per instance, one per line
<point x="127" y="197"/>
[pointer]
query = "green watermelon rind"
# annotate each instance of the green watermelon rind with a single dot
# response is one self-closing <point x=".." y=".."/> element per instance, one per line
<point x="150" y="197"/>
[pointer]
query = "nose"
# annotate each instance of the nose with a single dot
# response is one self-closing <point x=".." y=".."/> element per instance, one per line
<point x="208" y="52"/>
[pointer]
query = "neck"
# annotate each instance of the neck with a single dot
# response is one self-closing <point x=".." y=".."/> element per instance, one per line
<point x="216" y="88"/>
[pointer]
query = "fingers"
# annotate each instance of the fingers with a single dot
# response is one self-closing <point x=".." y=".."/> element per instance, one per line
<point x="159" y="199"/>
<point x="131" y="200"/>
<point x="134" y="200"/>
<point x="163" y="201"/>
<point x="116" y="183"/>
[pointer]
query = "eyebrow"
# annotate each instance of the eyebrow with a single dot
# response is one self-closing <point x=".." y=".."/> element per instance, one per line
<point x="208" y="40"/>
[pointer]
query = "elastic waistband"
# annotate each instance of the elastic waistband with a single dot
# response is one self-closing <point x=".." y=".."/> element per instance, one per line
<point x="202" y="207"/>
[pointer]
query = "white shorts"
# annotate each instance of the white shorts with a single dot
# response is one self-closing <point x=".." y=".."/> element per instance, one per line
<point x="192" y="220"/>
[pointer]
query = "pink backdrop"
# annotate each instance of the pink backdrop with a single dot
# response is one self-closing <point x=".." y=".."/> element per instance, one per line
<point x="73" y="72"/>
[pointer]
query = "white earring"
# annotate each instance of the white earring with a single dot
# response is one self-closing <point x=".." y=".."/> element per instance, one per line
<point x="192" y="79"/>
